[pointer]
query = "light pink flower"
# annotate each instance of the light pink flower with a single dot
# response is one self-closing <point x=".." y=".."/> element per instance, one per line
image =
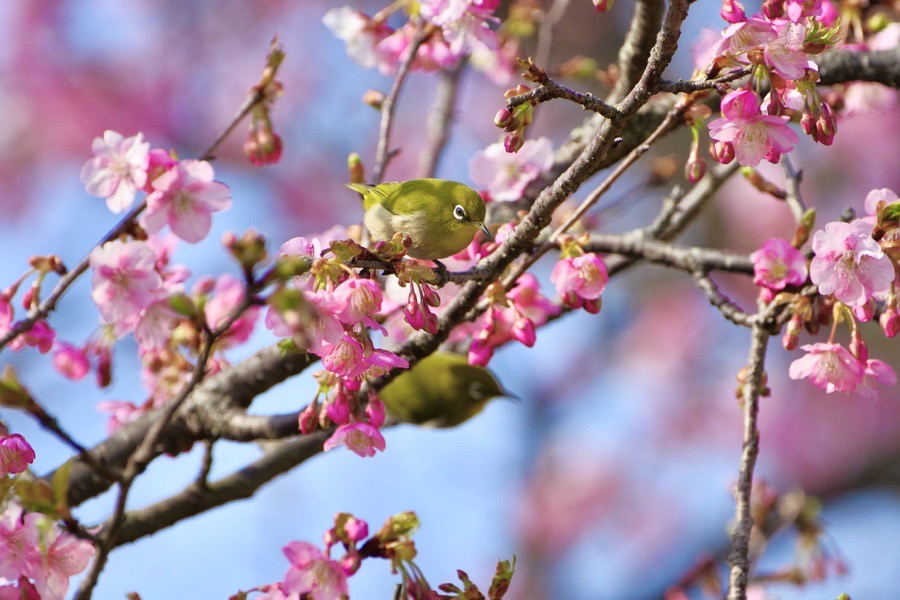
<point x="876" y="371"/>
<point x="19" y="539"/>
<point x="785" y="55"/>
<point x="505" y="175"/>
<point x="362" y="438"/>
<point x="64" y="555"/>
<point x="118" y="169"/>
<point x="345" y="358"/>
<point x="185" y="197"/>
<point x="312" y="574"/>
<point x="359" y="32"/>
<point x="155" y="325"/>
<point x="849" y="263"/>
<point x="876" y="197"/>
<point x="753" y="135"/>
<point x="580" y="280"/>
<point x="828" y="366"/>
<point x="15" y="454"/>
<point x="778" y="264"/>
<point x="121" y="413"/>
<point x="124" y="282"/>
<point x="71" y="362"/>
<point x="464" y="23"/>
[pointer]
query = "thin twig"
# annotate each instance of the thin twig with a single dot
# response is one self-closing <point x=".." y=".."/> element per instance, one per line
<point x="545" y="32"/>
<point x="383" y="153"/>
<point x="440" y="118"/>
<point x="794" y="199"/>
<point x="739" y="558"/>
<point x="549" y="90"/>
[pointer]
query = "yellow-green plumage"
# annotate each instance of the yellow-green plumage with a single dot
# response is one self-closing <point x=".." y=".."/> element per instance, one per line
<point x="440" y="216"/>
<point x="441" y="390"/>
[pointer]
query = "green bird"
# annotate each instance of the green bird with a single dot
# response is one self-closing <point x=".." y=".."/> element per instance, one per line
<point x="440" y="216"/>
<point x="441" y="390"/>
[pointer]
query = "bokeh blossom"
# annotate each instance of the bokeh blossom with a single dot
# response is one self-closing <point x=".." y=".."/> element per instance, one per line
<point x="124" y="282"/>
<point x="506" y="175"/>
<point x="828" y="366"/>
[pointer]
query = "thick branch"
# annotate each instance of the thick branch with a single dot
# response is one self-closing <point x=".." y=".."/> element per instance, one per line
<point x="843" y="66"/>
<point x="635" y="50"/>
<point x="240" y="485"/>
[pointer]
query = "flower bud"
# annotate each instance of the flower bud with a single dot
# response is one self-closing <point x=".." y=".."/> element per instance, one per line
<point x="513" y="142"/>
<point x="374" y="98"/>
<point x="695" y="168"/>
<point x="723" y="152"/>
<point x="503" y="117"/>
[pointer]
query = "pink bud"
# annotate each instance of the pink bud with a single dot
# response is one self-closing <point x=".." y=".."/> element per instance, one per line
<point x="890" y="322"/>
<point x="723" y="152"/>
<point x="15" y="454"/>
<point x="513" y="142"/>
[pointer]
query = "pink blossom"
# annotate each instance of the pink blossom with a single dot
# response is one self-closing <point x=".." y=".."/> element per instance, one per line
<point x="359" y="32"/>
<point x="359" y="299"/>
<point x="362" y="438"/>
<point x="464" y="23"/>
<point x="849" y="263"/>
<point x="876" y="371"/>
<point x="121" y="413"/>
<point x="505" y="175"/>
<point x="530" y="301"/>
<point x="63" y="555"/>
<point x="118" y="169"/>
<point x="154" y="327"/>
<point x="753" y="135"/>
<point x="124" y="282"/>
<point x="379" y="362"/>
<point x="19" y="539"/>
<point x="227" y="295"/>
<point x="732" y="11"/>
<point x="432" y="55"/>
<point x="6" y="313"/>
<point x="828" y="366"/>
<point x="785" y="55"/>
<point x="345" y="358"/>
<point x="778" y="264"/>
<point x="71" y="362"/>
<point x="312" y="574"/>
<point x="580" y="280"/>
<point x="158" y="162"/>
<point x="185" y="197"/>
<point x="797" y="10"/>
<point x="876" y="197"/>
<point x="15" y="454"/>
<point x="40" y="336"/>
<point x="500" y="324"/>
<point x="890" y="321"/>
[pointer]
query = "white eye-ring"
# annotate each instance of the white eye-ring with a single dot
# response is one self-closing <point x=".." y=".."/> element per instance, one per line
<point x="459" y="212"/>
<point x="476" y="390"/>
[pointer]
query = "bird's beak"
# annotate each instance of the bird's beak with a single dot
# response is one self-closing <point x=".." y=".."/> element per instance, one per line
<point x="510" y="395"/>
<point x="487" y="232"/>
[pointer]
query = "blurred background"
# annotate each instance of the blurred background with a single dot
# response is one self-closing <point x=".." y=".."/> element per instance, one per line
<point x="611" y="478"/>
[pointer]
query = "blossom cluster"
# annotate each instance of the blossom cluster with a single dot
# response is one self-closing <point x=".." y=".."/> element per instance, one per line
<point x="451" y="29"/>
<point x="329" y="312"/>
<point x="36" y="557"/>
<point x="855" y="274"/>
<point x="776" y="44"/>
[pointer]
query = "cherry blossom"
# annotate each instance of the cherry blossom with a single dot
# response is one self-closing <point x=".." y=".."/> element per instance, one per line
<point x="778" y="264"/>
<point x="849" y="263"/>
<point x="124" y="282"/>
<point x="359" y="32"/>
<point x="185" y="197"/>
<point x="828" y="366"/>
<point x="505" y="175"/>
<point x="70" y="361"/>
<point x="362" y="438"/>
<point x="753" y="135"/>
<point x="118" y="169"/>
<point x="464" y="23"/>
<point x="580" y="280"/>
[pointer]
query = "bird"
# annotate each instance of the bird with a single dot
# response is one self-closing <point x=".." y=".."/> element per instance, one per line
<point x="441" y="217"/>
<point x="441" y="390"/>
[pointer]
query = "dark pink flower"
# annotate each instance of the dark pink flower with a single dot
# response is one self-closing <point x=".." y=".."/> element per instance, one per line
<point x="362" y="438"/>
<point x="580" y="280"/>
<point x="15" y="454"/>
<point x="71" y="362"/>
<point x="312" y="574"/>
<point x="753" y="135"/>
<point x="778" y="264"/>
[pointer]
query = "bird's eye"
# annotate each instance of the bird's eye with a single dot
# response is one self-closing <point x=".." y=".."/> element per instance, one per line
<point x="459" y="212"/>
<point x="476" y="390"/>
